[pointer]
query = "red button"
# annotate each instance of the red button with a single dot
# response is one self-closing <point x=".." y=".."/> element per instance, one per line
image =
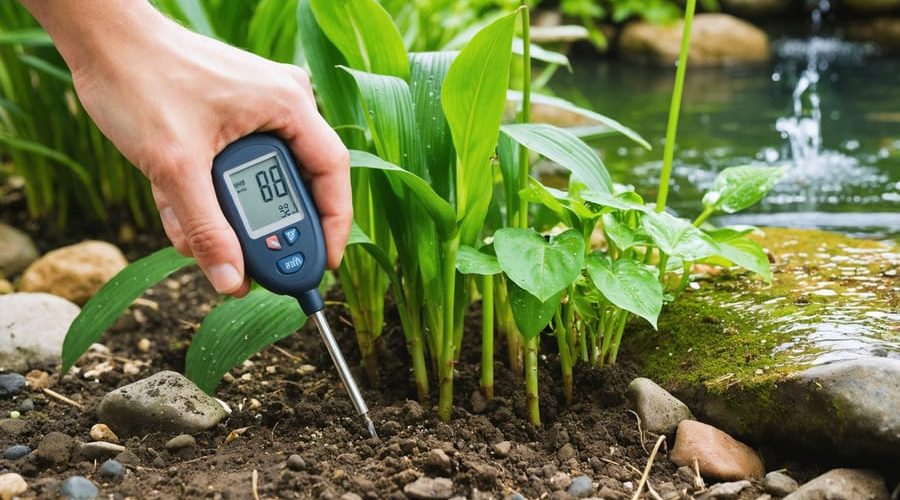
<point x="273" y="243"/>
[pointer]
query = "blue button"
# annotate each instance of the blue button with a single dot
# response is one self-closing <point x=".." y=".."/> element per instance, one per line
<point x="291" y="264"/>
<point x="291" y="235"/>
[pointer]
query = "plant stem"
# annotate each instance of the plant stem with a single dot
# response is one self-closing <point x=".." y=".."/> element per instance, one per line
<point x="565" y="357"/>
<point x="487" y="337"/>
<point x="532" y="344"/>
<point x="703" y="216"/>
<point x="675" y="107"/>
<point x="617" y="338"/>
<point x="525" y="113"/>
<point x="447" y="350"/>
<point x="506" y="324"/>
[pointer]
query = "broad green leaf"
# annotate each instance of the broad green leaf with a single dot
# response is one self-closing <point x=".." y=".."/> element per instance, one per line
<point x="565" y="149"/>
<point x="192" y="12"/>
<point x="628" y="284"/>
<point x="621" y="234"/>
<point x="508" y="159"/>
<point x="530" y="314"/>
<point x="359" y="238"/>
<point x="114" y="297"/>
<point x="541" y="54"/>
<point x="720" y="234"/>
<point x="543" y="268"/>
<point x="273" y="30"/>
<point x="516" y="96"/>
<point x="538" y="193"/>
<point x="236" y="330"/>
<point x="426" y="79"/>
<point x="365" y="33"/>
<point x="473" y="261"/>
<point x="737" y="188"/>
<point x="745" y="253"/>
<point x="617" y="201"/>
<point x="678" y="237"/>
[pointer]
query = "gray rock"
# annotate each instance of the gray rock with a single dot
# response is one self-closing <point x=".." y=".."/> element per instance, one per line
<point x="111" y="470"/>
<point x="98" y="450"/>
<point x="296" y="463"/>
<point x="166" y="401"/>
<point x="439" y="461"/>
<point x="17" y="250"/>
<point x="32" y="329"/>
<point x="843" y="484"/>
<point x="13" y="426"/>
<point x="427" y="488"/>
<point x="78" y="488"/>
<point x="581" y="487"/>
<point x="660" y="412"/>
<point x="11" y="384"/>
<point x="55" y="449"/>
<point x="16" y="452"/>
<point x="127" y="457"/>
<point x="725" y="491"/>
<point x="779" y="484"/>
<point x="27" y="405"/>
<point x="181" y="441"/>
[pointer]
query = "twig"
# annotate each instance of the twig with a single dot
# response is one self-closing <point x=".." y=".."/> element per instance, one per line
<point x="60" y="397"/>
<point x="637" y="493"/>
<point x="254" y="482"/>
<point x="698" y="479"/>
<point x="286" y="353"/>
<point x="640" y="430"/>
<point x="653" y="492"/>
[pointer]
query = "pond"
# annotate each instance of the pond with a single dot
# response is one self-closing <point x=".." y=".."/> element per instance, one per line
<point x="829" y="109"/>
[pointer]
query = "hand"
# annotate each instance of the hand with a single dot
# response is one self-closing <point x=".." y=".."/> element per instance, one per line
<point x="171" y="99"/>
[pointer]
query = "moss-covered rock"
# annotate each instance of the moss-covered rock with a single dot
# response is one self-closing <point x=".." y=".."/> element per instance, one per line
<point x="739" y="351"/>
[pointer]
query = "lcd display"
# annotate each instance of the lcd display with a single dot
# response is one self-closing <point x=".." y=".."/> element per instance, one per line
<point x="265" y="195"/>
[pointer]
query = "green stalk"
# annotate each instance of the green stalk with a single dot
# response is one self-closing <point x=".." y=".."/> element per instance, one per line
<point x="506" y="325"/>
<point x="565" y="356"/>
<point x="675" y="107"/>
<point x="532" y="345"/>
<point x="663" y="262"/>
<point x="617" y="338"/>
<point x="487" y="337"/>
<point x="445" y="399"/>
<point x="703" y="216"/>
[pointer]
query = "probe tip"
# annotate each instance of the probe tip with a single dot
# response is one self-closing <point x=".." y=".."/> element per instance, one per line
<point x="370" y="426"/>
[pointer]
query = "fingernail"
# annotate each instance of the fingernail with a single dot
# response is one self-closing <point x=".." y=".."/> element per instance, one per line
<point x="224" y="277"/>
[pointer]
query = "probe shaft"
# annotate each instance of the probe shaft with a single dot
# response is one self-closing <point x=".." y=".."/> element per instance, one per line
<point x="343" y="370"/>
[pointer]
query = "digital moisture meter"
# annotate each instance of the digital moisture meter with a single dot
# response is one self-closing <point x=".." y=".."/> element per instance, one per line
<point x="266" y="202"/>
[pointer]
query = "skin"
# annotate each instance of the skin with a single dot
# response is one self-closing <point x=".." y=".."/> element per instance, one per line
<point x="171" y="99"/>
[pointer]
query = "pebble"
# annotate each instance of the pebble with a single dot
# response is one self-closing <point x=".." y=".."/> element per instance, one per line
<point x="296" y="463"/>
<point x="127" y="457"/>
<point x="14" y="414"/>
<point x="560" y="481"/>
<point x="55" y="449"/>
<point x="166" y="401"/>
<point x="74" y="272"/>
<point x="13" y="426"/>
<point x="565" y="453"/>
<point x="427" y="488"/>
<point x="78" y="488"/>
<point x="112" y="470"/>
<point x="439" y="461"/>
<point x="843" y="484"/>
<point x="780" y="484"/>
<point x="254" y="404"/>
<point x="350" y="496"/>
<point x="98" y="450"/>
<point x="390" y="428"/>
<point x="143" y="345"/>
<point x="660" y="412"/>
<point x="581" y="487"/>
<point x="17" y="250"/>
<point x="12" y="485"/>
<point x="502" y="449"/>
<point x="181" y="441"/>
<point x="479" y="402"/>
<point x="11" y="384"/>
<point x="27" y="405"/>
<point x="719" y="455"/>
<point x="102" y="432"/>
<point x="725" y="491"/>
<point x="22" y="314"/>
<point x="16" y="452"/>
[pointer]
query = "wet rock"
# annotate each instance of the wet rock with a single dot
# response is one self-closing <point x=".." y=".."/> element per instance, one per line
<point x="74" y="272"/>
<point x="843" y="484"/>
<point x="719" y="455"/>
<point x="716" y="39"/>
<point x="16" y="452"/>
<point x="32" y="329"/>
<point x="427" y="488"/>
<point x="181" y="441"/>
<point x="439" y="461"/>
<point x="296" y="463"/>
<point x="11" y="384"/>
<point x="779" y="484"/>
<point x="102" y="432"/>
<point x="17" y="250"/>
<point x="12" y="485"/>
<point x="581" y="487"/>
<point x="55" y="449"/>
<point x="78" y="488"/>
<point x="167" y="402"/>
<point x="725" y="491"/>
<point x="13" y="426"/>
<point x="111" y="470"/>
<point x="660" y="412"/>
<point x="502" y="449"/>
<point x="98" y="450"/>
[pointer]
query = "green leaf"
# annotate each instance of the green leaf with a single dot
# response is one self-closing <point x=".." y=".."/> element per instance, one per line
<point x="473" y="261"/>
<point x="273" y="30"/>
<point x="621" y="234"/>
<point x="737" y="188"/>
<point x="114" y="297"/>
<point x="540" y="54"/>
<point x="26" y="36"/>
<point x="678" y="237"/>
<point x="746" y="253"/>
<point x="427" y="73"/>
<point x="236" y="330"/>
<point x="543" y="268"/>
<point x="568" y="151"/>
<point x="530" y="314"/>
<point x="53" y="70"/>
<point x="365" y="33"/>
<point x="359" y="238"/>
<point x="720" y="234"/>
<point x="618" y="201"/>
<point x="192" y="12"/>
<point x="538" y="193"/>
<point x="628" y="284"/>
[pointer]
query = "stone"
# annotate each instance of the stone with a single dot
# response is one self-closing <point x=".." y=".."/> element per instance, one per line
<point x="27" y="405"/>
<point x="55" y="449"/>
<point x="350" y="496"/>
<point x="502" y="449"/>
<point x="16" y="452"/>
<point x="13" y="426"/>
<point x="296" y="463"/>
<point x="725" y="491"/>
<point x="74" y="272"/>
<point x="12" y="485"/>
<point x="17" y="250"/>
<point x="102" y="432"/>
<point x="660" y="412"/>
<point x="32" y="329"/>
<point x="779" y="484"/>
<point x="6" y="287"/>
<point x="97" y="450"/>
<point x="719" y="455"/>
<point x="581" y="487"/>
<point x="843" y="484"/>
<point x="479" y="402"/>
<point x="127" y="457"/>
<point x="78" y="488"/>
<point x="716" y="40"/>
<point x="439" y="461"/>
<point x="166" y="402"/>
<point x="111" y="470"/>
<point x="427" y="488"/>
<point x="11" y="384"/>
<point x="566" y="452"/>
<point x="181" y="441"/>
<point x="559" y="481"/>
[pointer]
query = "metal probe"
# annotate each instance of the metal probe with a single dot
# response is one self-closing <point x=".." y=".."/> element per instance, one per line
<point x="343" y="370"/>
